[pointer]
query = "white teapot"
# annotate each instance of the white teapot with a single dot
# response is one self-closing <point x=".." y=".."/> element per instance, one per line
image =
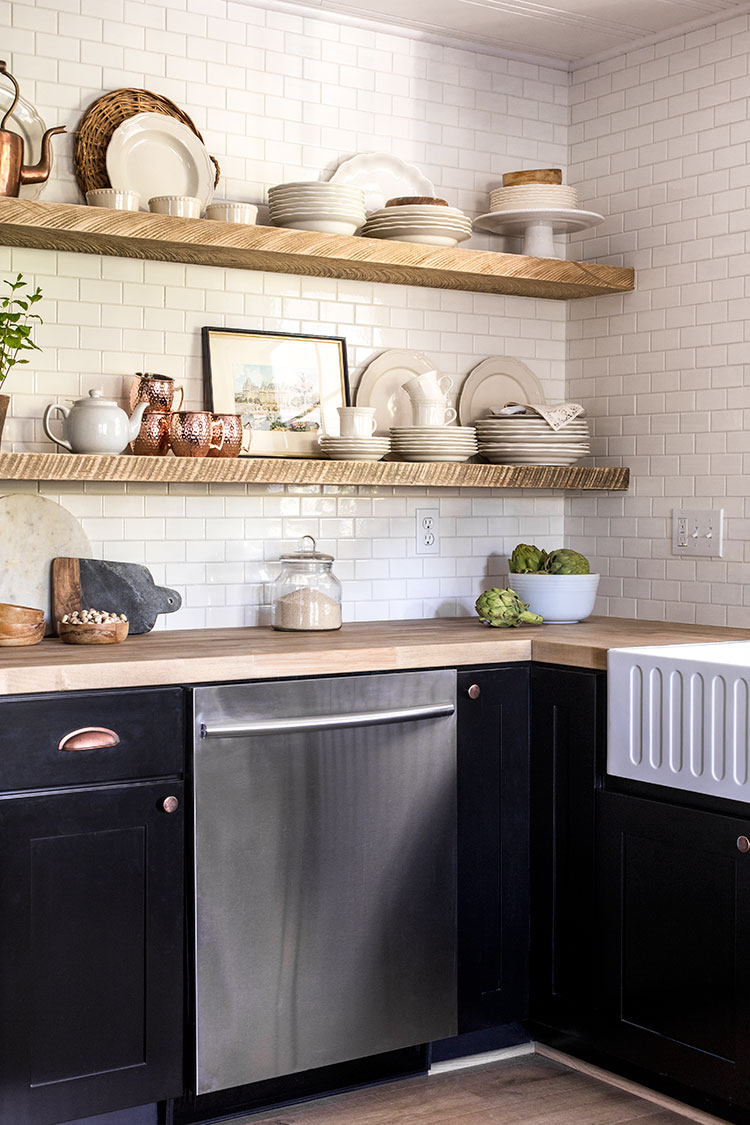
<point x="95" y="424"/>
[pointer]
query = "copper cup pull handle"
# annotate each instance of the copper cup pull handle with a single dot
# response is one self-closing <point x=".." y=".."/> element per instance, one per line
<point x="89" y="738"/>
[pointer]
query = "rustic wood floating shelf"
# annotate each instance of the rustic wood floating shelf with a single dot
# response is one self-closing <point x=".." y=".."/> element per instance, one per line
<point x="270" y="470"/>
<point x="127" y="234"/>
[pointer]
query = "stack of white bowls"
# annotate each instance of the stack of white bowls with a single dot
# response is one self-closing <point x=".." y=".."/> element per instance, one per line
<point x="427" y="224"/>
<point x="432" y="437"/>
<point x="327" y="208"/>
<point x="356" y="441"/>
<point x="523" y="439"/>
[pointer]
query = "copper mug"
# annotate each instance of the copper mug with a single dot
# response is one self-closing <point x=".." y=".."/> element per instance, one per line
<point x="153" y="439"/>
<point x="157" y="391"/>
<point x="191" y="434"/>
<point x="230" y="427"/>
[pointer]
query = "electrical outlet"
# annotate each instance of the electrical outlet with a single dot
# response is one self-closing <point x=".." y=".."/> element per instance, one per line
<point x="698" y="532"/>
<point x="428" y="542"/>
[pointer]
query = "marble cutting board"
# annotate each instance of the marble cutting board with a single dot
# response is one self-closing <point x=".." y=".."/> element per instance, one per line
<point x="34" y="531"/>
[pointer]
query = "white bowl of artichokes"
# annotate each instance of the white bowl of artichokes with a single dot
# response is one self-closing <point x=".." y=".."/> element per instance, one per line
<point x="557" y="585"/>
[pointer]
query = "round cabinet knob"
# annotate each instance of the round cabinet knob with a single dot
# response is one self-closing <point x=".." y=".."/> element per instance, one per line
<point x="474" y="691"/>
<point x="170" y="804"/>
<point x="743" y="844"/>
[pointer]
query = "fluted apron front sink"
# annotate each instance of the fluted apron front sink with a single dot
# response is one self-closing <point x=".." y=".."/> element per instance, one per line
<point x="679" y="715"/>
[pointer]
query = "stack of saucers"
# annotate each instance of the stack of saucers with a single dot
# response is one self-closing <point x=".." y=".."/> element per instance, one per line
<point x="520" y="439"/>
<point x="354" y="448"/>
<point x="423" y="223"/>
<point x="433" y="443"/>
<point x="328" y="208"/>
<point x="543" y="196"/>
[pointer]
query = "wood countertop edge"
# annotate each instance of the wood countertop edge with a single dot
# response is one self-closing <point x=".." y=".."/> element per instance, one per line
<point x="215" y="655"/>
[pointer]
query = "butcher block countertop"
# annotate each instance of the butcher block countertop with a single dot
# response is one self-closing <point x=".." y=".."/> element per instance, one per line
<point x="205" y="655"/>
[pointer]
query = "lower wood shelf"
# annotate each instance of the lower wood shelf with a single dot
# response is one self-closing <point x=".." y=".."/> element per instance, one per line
<point x="257" y="470"/>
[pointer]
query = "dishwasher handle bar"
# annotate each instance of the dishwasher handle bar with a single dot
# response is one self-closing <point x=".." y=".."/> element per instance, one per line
<point x="328" y="722"/>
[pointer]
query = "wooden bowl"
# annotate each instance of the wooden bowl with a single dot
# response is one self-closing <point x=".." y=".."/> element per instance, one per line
<point x="534" y="176"/>
<point x="414" y="200"/>
<point x="13" y="636"/>
<point x="19" y="614"/>
<point x="91" y="634"/>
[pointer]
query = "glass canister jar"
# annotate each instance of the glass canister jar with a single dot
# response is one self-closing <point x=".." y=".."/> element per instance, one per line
<point x="307" y="594"/>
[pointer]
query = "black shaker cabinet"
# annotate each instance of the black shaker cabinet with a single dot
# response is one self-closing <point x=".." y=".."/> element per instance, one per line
<point x="674" y="895"/>
<point x="493" y="833"/>
<point x="91" y="899"/>
<point x="568" y="718"/>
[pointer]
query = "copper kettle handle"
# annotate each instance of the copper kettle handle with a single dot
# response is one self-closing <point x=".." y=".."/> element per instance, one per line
<point x="6" y="73"/>
<point x="89" y="738"/>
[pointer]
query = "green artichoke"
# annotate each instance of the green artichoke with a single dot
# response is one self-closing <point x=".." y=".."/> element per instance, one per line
<point x="564" y="561"/>
<point x="504" y="609"/>
<point x="527" y="559"/>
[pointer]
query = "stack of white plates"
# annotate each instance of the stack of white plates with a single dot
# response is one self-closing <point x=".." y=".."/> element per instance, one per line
<point x="354" y="448"/>
<point x="523" y="440"/>
<point x="328" y="208"/>
<point x="419" y="222"/>
<point x="433" y="443"/>
<point x="545" y="196"/>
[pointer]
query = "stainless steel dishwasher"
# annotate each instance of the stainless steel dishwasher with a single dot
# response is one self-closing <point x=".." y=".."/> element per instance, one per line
<point x="325" y="841"/>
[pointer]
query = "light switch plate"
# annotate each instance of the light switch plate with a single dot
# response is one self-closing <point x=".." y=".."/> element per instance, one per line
<point x="698" y="532"/>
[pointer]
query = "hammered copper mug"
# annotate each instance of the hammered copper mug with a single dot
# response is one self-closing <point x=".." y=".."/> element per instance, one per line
<point x="153" y="439"/>
<point x="191" y="433"/>
<point x="157" y="391"/>
<point x="232" y="429"/>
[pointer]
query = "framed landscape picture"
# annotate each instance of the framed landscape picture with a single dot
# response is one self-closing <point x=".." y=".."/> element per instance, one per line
<point x="286" y="386"/>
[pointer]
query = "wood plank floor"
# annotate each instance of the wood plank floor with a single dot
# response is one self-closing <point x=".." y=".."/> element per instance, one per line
<point x="524" y="1091"/>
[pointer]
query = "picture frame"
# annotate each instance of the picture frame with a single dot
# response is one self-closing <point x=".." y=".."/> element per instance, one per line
<point x="286" y="385"/>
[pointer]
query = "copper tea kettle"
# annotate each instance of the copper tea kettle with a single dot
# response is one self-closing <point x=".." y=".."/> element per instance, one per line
<point x="13" y="174"/>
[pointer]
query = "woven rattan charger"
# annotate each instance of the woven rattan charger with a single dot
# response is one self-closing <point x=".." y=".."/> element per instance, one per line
<point x="99" y="123"/>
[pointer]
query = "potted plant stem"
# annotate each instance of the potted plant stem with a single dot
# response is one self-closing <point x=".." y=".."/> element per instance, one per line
<point x="16" y="327"/>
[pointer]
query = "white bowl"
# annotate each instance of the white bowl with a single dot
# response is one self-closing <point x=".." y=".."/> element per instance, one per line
<point x="561" y="599"/>
<point x="116" y="200"/>
<point x="321" y="226"/>
<point x="182" y="206"/>
<point x="229" y="212"/>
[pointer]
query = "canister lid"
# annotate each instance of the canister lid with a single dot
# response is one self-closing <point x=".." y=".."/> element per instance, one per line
<point x="306" y="554"/>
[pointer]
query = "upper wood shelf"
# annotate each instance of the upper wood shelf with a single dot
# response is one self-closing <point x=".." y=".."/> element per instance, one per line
<point x="270" y="470"/>
<point x="126" y="234"/>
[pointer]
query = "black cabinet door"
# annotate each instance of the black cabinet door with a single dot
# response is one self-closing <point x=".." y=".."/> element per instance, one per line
<point x="493" y="832"/>
<point x="674" y="895"/>
<point x="91" y="949"/>
<point x="567" y="751"/>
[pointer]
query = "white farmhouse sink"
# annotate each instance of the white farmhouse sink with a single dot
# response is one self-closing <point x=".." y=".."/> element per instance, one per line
<point x="679" y="715"/>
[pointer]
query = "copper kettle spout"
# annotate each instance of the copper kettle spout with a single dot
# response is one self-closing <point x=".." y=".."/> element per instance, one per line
<point x="13" y="173"/>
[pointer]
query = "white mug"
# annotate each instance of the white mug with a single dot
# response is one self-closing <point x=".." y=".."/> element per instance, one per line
<point x="357" y="421"/>
<point x="428" y="387"/>
<point x="432" y="414"/>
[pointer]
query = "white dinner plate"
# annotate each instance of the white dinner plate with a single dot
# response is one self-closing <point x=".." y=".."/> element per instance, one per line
<point x="422" y="238"/>
<point x="492" y="383"/>
<point x="382" y="176"/>
<point x="157" y="155"/>
<point x="441" y="457"/>
<point x="382" y="386"/>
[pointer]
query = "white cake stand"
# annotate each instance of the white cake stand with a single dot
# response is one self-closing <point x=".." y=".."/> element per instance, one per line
<point x="538" y="225"/>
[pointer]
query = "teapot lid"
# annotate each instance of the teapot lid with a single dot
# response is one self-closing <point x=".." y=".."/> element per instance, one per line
<point x="96" y="398"/>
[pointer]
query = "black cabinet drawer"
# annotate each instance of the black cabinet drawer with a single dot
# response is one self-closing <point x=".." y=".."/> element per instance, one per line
<point x="142" y="734"/>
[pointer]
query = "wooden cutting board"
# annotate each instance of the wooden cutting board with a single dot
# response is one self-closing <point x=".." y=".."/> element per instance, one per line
<point x="118" y="587"/>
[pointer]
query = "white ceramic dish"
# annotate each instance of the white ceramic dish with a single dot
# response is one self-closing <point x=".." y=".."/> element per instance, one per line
<point x="355" y="455"/>
<point x="538" y="225"/>
<point x="29" y="125"/>
<point x="321" y="226"/>
<point x="439" y="457"/>
<point x="382" y="386"/>
<point x="115" y="200"/>
<point x="561" y="599"/>
<point x="382" y="176"/>
<point x="492" y="383"/>
<point x="180" y="206"/>
<point x="420" y="239"/>
<point x="523" y="459"/>
<point x="154" y="155"/>
<point x="230" y="212"/>
<point x="335" y="213"/>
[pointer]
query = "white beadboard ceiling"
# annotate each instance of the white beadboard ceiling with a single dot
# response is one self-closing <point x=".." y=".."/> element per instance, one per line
<point x="567" y="31"/>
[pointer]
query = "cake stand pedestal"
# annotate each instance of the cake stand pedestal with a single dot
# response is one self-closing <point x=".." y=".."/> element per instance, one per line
<point x="538" y="225"/>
